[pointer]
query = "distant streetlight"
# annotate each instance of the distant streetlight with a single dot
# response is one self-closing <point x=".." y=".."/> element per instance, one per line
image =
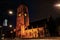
<point x="10" y="12"/>
<point x="2" y="38"/>
<point x="14" y="30"/>
<point x="10" y="26"/>
<point x="11" y="31"/>
<point x="57" y="5"/>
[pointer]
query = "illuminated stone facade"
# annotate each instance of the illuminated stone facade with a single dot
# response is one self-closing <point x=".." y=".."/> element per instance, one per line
<point x="34" y="33"/>
<point x="22" y="19"/>
<point x="23" y="23"/>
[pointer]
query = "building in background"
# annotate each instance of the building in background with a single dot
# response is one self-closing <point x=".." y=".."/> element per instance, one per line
<point x="22" y="19"/>
<point x="22" y="24"/>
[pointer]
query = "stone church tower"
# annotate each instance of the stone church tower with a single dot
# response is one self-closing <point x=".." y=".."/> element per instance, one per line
<point x="22" y="21"/>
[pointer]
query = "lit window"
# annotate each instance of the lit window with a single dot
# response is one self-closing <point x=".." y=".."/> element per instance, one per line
<point x="19" y="15"/>
<point x="14" y="30"/>
<point x="25" y="14"/>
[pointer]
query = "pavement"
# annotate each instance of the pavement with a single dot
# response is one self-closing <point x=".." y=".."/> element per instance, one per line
<point x="48" y="38"/>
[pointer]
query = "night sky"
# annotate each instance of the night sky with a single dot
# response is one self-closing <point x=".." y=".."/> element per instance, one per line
<point x="38" y="9"/>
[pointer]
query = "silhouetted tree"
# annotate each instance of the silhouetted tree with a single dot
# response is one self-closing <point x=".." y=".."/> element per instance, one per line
<point x="51" y="26"/>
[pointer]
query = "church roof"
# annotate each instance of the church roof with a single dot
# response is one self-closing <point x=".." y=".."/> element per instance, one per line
<point x="40" y="23"/>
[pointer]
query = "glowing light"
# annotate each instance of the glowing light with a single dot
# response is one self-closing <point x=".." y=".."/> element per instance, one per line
<point x="25" y="14"/>
<point x="10" y="26"/>
<point x="14" y="30"/>
<point x="11" y="31"/>
<point x="58" y="5"/>
<point x="10" y="12"/>
<point x="3" y="34"/>
<point x="2" y="38"/>
<point x="19" y="15"/>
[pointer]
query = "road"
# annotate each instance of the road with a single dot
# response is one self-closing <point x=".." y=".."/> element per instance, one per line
<point x="50" y="38"/>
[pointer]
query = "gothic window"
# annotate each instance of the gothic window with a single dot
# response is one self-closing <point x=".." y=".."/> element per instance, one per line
<point x="25" y="14"/>
<point x="19" y="14"/>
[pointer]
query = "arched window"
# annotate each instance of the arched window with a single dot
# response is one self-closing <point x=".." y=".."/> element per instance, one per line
<point x="19" y="14"/>
<point x="25" y="14"/>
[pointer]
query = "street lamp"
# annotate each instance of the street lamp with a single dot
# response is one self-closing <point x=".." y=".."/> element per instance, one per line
<point x="10" y="26"/>
<point x="11" y="31"/>
<point x="57" y="5"/>
<point x="10" y="12"/>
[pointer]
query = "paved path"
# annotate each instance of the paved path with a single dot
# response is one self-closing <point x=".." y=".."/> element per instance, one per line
<point x="51" y="38"/>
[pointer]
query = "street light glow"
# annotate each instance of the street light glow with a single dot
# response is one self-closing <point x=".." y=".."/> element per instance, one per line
<point x="58" y="5"/>
<point x="10" y="12"/>
<point x="10" y="26"/>
<point x="11" y="31"/>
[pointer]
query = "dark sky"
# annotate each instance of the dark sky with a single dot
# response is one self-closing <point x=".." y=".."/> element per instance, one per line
<point x="38" y="9"/>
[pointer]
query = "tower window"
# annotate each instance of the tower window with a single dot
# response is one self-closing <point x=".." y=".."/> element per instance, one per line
<point x="25" y="14"/>
<point x="19" y="14"/>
